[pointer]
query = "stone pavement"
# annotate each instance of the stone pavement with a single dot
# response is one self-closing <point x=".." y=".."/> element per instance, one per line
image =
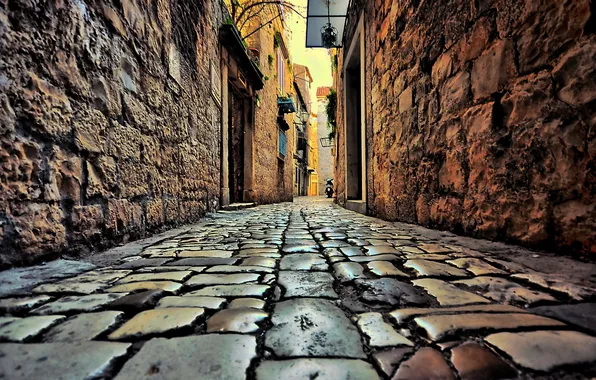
<point x="302" y="290"/>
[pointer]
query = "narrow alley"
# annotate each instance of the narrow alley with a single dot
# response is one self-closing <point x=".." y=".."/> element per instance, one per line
<point x="297" y="189"/>
<point x="301" y="290"/>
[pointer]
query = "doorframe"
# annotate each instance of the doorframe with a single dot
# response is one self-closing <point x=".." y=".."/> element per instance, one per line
<point x="225" y="154"/>
<point x="229" y="75"/>
<point x="359" y="37"/>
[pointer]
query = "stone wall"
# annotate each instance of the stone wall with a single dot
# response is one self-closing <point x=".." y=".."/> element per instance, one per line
<point x="481" y="117"/>
<point x="339" y="142"/>
<point x="107" y="123"/>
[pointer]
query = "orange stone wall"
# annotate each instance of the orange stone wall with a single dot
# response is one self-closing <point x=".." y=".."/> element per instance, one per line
<point x="108" y="127"/>
<point x="481" y="118"/>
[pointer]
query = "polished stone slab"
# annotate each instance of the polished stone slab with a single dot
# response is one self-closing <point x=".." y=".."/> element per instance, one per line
<point x="65" y="360"/>
<point x="205" y="357"/>
<point x="312" y="327"/>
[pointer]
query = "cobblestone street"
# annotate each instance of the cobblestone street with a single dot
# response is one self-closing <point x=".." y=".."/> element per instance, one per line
<point x="302" y="290"/>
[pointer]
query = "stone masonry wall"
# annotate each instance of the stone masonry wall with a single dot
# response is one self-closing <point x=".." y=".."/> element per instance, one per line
<point x="482" y="117"/>
<point x="339" y="141"/>
<point x="108" y="129"/>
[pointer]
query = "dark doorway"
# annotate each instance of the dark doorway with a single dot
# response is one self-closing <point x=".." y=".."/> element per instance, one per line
<point x="236" y="145"/>
<point x="354" y="146"/>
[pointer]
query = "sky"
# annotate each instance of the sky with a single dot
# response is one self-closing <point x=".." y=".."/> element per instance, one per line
<point x="317" y="60"/>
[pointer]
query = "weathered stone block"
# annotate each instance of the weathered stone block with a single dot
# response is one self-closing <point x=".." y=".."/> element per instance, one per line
<point x="384" y="29"/>
<point x="87" y="220"/>
<point x="445" y="212"/>
<point x="150" y="151"/>
<point x="7" y="116"/>
<point x="423" y="209"/>
<point x="137" y="114"/>
<point x="452" y="176"/>
<point x="114" y="19"/>
<point x="493" y="70"/>
<point x="48" y="107"/>
<point x="134" y="179"/>
<point x="442" y="69"/>
<point x="542" y="28"/>
<point x="128" y="73"/>
<point x="65" y="178"/>
<point x="481" y="6"/>
<point x="192" y="210"/>
<point x="123" y="215"/>
<point x="529" y="99"/>
<point x="400" y="84"/>
<point x="575" y="222"/>
<point x="102" y="176"/>
<point x="455" y="93"/>
<point x="38" y="229"/>
<point x="124" y="142"/>
<point x="21" y="170"/>
<point x="406" y="99"/>
<point x="105" y="97"/>
<point x="154" y="213"/>
<point x="65" y="71"/>
<point x="575" y="74"/>
<point x="89" y="131"/>
<point x="476" y="42"/>
<point x="171" y="209"/>
<point x="378" y="62"/>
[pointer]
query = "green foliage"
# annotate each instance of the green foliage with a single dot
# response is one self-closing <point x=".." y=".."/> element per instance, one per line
<point x="266" y="77"/>
<point x="331" y="111"/>
<point x="334" y="62"/>
<point x="270" y="60"/>
<point x="277" y="39"/>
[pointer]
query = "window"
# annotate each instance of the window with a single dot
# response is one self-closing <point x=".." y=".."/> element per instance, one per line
<point x="282" y="142"/>
<point x="281" y="77"/>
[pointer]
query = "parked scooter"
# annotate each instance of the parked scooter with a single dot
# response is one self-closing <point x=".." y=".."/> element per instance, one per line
<point x="329" y="188"/>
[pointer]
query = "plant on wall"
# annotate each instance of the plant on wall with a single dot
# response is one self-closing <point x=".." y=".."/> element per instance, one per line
<point x="331" y="111"/>
<point x="270" y="60"/>
<point x="334" y="62"/>
<point x="277" y="40"/>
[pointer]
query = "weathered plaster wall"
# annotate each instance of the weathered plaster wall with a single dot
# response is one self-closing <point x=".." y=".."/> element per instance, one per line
<point x="273" y="173"/>
<point x="107" y="124"/>
<point x="326" y="163"/>
<point x="482" y="117"/>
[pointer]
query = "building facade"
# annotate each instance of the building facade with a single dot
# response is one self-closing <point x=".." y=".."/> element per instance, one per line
<point x="475" y="117"/>
<point x="274" y="133"/>
<point x="302" y="123"/>
<point x="121" y="119"/>
<point x="313" y="157"/>
<point x="325" y="143"/>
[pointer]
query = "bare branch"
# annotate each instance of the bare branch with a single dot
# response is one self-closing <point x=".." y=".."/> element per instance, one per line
<point x="289" y="6"/>
<point x="250" y="16"/>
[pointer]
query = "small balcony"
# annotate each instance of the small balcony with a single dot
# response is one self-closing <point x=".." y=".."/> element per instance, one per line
<point x="285" y="104"/>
